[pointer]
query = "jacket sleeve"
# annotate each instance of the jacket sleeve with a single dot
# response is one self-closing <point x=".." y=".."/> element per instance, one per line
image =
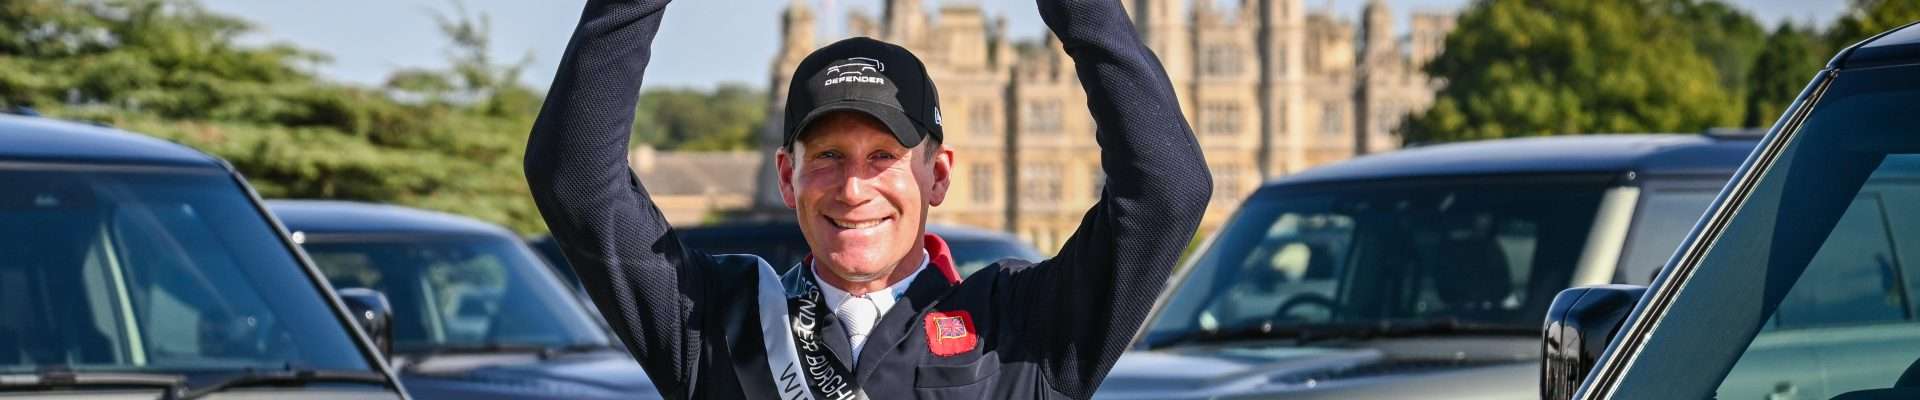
<point x="1093" y="295"/>
<point x="639" y="275"/>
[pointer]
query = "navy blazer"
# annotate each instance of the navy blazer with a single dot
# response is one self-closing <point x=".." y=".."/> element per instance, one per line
<point x="1050" y="329"/>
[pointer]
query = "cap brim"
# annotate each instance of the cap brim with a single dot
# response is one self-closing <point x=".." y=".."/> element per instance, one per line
<point x="904" y="130"/>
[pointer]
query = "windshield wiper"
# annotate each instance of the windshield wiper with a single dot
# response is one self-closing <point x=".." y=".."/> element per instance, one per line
<point x="1428" y="327"/>
<point x="1262" y="330"/>
<point x="287" y="377"/>
<point x="577" y="348"/>
<point x="543" y="351"/>
<point x="59" y="377"/>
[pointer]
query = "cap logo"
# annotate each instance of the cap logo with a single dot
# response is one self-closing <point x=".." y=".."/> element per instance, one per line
<point x="856" y="70"/>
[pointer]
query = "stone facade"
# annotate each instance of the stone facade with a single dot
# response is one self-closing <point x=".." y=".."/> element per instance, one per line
<point x="1269" y="87"/>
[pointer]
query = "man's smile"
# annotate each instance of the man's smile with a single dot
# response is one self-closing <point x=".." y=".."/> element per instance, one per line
<point x="858" y="224"/>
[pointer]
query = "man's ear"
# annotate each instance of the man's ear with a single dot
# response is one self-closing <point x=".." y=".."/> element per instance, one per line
<point x="942" y="175"/>
<point x="783" y="158"/>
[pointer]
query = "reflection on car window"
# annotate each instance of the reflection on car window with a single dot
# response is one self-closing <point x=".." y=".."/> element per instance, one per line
<point x="153" y="272"/>
<point x="1852" y="279"/>
<point x="459" y="291"/>
<point x="1845" y="324"/>
<point x="1490" y="252"/>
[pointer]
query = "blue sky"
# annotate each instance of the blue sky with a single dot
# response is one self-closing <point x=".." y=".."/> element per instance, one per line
<point x="703" y="42"/>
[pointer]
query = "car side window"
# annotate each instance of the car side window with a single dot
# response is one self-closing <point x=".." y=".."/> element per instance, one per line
<point x="1664" y="218"/>
<point x="1853" y="279"/>
<point x="1845" y="324"/>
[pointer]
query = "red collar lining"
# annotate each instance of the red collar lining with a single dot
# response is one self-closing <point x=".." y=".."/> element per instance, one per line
<point x="938" y="256"/>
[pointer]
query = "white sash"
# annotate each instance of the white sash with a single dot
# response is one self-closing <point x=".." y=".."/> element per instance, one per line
<point x="782" y="359"/>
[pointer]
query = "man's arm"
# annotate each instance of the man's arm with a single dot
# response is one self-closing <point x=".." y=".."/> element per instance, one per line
<point x="613" y="234"/>
<point x="1106" y="276"/>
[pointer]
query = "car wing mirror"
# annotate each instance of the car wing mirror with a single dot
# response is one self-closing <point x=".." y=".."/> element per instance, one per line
<point x="372" y="314"/>
<point x="1579" y="325"/>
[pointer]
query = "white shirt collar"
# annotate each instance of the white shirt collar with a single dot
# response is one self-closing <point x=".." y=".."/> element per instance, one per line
<point x="883" y="299"/>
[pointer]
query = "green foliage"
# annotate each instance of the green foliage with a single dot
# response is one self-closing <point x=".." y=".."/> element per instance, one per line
<point x="1727" y="37"/>
<point x="728" y="118"/>
<point x="1546" y="67"/>
<point x="1866" y="18"/>
<point x="1791" y="57"/>
<point x="447" y="139"/>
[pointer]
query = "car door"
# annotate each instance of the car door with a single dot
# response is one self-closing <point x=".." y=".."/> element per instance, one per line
<point x="1794" y="285"/>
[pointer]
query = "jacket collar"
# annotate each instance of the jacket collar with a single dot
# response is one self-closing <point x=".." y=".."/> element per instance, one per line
<point x="939" y="258"/>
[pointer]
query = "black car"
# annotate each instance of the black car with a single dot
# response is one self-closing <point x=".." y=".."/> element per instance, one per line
<point x="138" y="268"/>
<point x="1800" y="282"/>
<point x="781" y="244"/>
<point x="476" y="314"/>
<point x="1421" y="273"/>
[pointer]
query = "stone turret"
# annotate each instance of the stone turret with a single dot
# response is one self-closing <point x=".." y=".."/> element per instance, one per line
<point x="796" y="33"/>
<point x="904" y="23"/>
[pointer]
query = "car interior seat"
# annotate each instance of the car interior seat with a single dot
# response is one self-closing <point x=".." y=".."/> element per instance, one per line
<point x="1471" y="275"/>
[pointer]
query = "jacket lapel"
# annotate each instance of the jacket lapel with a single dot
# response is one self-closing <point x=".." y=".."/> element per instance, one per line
<point x="797" y="280"/>
<point x="902" y="320"/>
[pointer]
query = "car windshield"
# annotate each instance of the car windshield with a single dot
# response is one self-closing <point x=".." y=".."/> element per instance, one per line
<point x="1487" y="252"/>
<point x="153" y="271"/>
<point x="459" y="292"/>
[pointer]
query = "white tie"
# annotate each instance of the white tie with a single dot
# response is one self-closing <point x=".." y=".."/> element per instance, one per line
<point x="859" y="313"/>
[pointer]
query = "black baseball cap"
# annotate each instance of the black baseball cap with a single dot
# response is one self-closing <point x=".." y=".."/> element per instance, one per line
<point x="867" y="76"/>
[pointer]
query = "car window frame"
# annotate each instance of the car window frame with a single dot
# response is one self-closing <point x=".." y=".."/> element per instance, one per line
<point x="1616" y="364"/>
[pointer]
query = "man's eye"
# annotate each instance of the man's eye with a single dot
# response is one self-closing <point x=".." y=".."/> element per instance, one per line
<point x="827" y="155"/>
<point x="884" y="156"/>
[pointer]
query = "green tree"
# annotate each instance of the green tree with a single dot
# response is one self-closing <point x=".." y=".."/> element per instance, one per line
<point x="448" y="139"/>
<point x="1789" y="59"/>
<point x="725" y="118"/>
<point x="1727" y="37"/>
<point x="1547" y="67"/>
<point x="1866" y="18"/>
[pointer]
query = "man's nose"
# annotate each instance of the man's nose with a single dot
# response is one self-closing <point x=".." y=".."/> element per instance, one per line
<point x="856" y="189"/>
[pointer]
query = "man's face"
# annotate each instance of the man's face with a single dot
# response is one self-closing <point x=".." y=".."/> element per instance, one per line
<point x="860" y="197"/>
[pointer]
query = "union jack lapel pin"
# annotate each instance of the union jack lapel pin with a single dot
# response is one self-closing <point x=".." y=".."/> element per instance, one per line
<point x="950" y="333"/>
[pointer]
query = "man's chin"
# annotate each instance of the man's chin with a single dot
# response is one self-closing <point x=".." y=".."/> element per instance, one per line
<point x="865" y="269"/>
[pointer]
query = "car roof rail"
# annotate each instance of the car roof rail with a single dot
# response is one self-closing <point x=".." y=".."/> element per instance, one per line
<point x="1734" y="133"/>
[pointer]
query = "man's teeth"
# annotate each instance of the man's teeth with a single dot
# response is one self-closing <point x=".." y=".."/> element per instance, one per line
<point x="857" y="225"/>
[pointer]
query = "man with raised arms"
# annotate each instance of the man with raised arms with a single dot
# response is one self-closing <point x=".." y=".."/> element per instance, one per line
<point x="877" y="311"/>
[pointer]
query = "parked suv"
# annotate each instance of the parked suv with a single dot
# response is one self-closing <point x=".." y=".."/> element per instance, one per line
<point x="1800" y="283"/>
<point x="476" y="314"/>
<point x="130" y="266"/>
<point x="1422" y="273"/>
